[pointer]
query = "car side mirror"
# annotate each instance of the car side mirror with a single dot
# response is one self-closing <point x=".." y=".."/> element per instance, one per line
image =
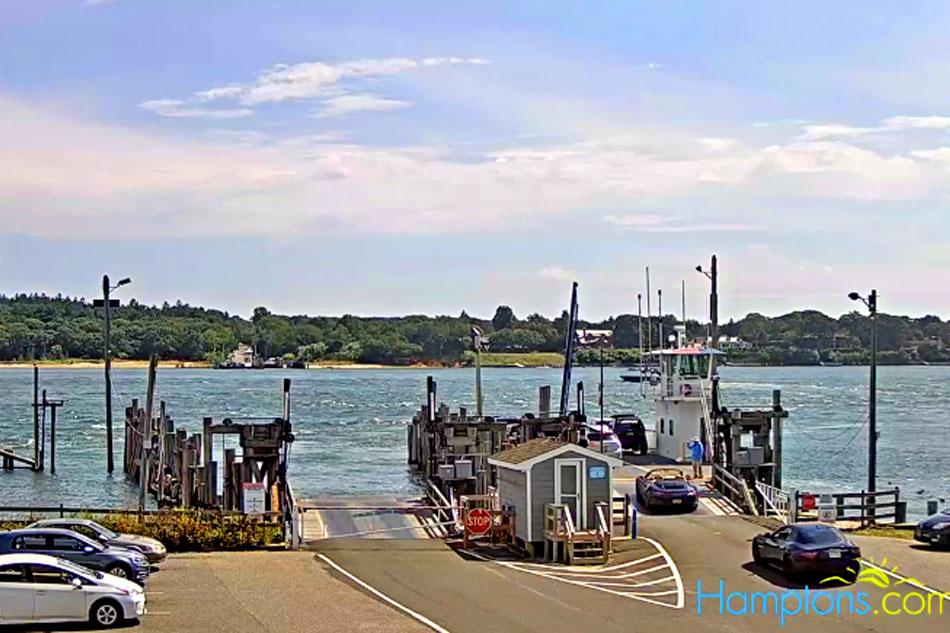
<point x="75" y="582"/>
<point x="88" y="549"/>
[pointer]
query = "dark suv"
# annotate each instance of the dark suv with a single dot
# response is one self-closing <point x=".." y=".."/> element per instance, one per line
<point x="74" y="547"/>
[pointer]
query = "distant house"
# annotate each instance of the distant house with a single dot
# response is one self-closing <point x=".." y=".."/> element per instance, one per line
<point x="595" y="337"/>
<point x="242" y="356"/>
<point x="726" y="343"/>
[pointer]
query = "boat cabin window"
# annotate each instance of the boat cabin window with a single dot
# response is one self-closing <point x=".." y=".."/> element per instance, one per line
<point x="692" y="365"/>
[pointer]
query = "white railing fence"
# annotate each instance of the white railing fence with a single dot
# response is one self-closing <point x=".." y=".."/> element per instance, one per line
<point x="777" y="502"/>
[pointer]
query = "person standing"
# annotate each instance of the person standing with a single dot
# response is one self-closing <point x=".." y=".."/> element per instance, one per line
<point x="696" y="452"/>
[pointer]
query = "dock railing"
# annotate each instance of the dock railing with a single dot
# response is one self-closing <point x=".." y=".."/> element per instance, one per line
<point x="863" y="507"/>
<point x="734" y="488"/>
<point x="776" y="502"/>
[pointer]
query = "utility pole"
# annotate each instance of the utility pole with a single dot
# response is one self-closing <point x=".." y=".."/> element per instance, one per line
<point x="107" y="356"/>
<point x="872" y="398"/>
<point x="714" y="304"/>
<point x="871" y="303"/>
<point x="107" y="304"/>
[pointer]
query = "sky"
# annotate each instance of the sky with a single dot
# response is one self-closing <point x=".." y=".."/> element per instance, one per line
<point x="383" y="158"/>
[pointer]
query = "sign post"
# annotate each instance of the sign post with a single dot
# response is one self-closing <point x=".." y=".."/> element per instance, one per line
<point x="478" y="522"/>
<point x="253" y="498"/>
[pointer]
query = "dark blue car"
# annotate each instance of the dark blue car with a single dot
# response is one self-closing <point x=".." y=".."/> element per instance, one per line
<point x="77" y="548"/>
<point x="809" y="549"/>
<point x="935" y="529"/>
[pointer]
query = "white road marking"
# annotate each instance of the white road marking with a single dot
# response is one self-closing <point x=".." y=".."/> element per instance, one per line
<point x="418" y="616"/>
<point x="604" y="584"/>
<point x="910" y="581"/>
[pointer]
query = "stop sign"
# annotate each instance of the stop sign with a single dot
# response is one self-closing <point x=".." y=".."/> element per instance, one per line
<point x="478" y="521"/>
<point x="808" y="502"/>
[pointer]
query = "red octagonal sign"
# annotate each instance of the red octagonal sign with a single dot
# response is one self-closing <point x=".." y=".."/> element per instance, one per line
<point x="478" y="521"/>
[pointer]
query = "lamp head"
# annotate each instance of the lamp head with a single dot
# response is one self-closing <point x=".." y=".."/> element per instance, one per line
<point x="699" y="269"/>
<point x="854" y="296"/>
<point x="123" y="282"/>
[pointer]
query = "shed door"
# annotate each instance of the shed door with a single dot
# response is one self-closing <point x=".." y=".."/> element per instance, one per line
<point x="569" y="488"/>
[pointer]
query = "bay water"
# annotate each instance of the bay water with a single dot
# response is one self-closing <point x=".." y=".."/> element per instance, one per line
<point x="350" y="424"/>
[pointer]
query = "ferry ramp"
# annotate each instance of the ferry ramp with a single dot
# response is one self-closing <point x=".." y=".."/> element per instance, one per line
<point x="371" y="517"/>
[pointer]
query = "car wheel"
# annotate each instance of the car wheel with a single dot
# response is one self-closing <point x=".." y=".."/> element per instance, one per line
<point x="105" y="613"/>
<point x="118" y="570"/>
<point x="756" y="554"/>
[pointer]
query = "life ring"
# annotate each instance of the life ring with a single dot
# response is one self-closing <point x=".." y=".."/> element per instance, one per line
<point x="686" y="390"/>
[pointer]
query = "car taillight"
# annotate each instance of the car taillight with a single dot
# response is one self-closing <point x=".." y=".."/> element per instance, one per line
<point x="808" y="555"/>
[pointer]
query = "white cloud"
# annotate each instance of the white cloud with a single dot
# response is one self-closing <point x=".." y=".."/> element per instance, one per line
<point x="636" y="220"/>
<point x="558" y="273"/>
<point x="61" y="176"/>
<point x="177" y="108"/>
<point x="92" y="3"/>
<point x="659" y="224"/>
<point x="918" y="122"/>
<point x="313" y="79"/>
<point x="831" y="131"/>
<point x="346" y="104"/>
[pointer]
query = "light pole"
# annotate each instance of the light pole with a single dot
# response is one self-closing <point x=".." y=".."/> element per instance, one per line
<point x="713" y="342"/>
<point x="871" y="303"/>
<point x="107" y="305"/>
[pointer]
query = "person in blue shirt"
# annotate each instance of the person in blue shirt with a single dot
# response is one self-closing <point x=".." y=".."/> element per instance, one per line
<point x="696" y="452"/>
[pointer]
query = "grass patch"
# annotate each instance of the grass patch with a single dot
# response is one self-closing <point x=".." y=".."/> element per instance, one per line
<point x="527" y="359"/>
<point x="186" y="531"/>
<point x="888" y="532"/>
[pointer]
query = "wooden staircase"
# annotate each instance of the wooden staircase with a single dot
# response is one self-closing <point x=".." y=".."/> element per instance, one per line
<point x="579" y="547"/>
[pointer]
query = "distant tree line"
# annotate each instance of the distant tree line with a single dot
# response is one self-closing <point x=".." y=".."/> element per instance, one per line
<point x="37" y="326"/>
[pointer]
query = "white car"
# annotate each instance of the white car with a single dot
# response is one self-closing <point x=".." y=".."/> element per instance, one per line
<point x="37" y="588"/>
<point x="605" y="442"/>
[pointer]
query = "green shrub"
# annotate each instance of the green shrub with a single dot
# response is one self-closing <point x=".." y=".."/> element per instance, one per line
<point x="187" y="531"/>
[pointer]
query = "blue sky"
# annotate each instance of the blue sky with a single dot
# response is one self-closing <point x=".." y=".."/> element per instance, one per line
<point x="429" y="157"/>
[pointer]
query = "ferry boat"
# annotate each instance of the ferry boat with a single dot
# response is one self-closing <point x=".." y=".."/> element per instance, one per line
<point x="682" y="398"/>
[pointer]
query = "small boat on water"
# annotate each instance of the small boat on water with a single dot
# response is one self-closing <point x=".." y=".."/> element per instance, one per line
<point x="641" y="373"/>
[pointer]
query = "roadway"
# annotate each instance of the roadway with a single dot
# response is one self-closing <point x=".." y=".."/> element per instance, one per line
<point x="461" y="592"/>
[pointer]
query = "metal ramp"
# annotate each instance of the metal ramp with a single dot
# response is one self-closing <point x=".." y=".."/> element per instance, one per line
<point x="365" y="518"/>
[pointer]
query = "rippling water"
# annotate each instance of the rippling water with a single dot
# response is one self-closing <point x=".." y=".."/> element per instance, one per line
<point x="351" y="424"/>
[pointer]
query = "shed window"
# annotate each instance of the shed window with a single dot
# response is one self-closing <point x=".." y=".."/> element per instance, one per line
<point x="662" y="426"/>
<point x="671" y="427"/>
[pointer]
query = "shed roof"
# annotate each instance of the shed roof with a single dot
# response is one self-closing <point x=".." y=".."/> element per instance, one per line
<point x="528" y="450"/>
<point x="525" y="455"/>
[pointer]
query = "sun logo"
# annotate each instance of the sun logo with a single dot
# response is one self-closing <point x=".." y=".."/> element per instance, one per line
<point x="877" y="575"/>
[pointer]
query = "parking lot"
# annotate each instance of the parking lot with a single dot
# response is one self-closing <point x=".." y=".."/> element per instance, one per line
<point x="261" y="591"/>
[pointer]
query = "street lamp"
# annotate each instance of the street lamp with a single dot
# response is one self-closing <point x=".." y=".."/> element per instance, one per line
<point x="107" y="305"/>
<point x="871" y="303"/>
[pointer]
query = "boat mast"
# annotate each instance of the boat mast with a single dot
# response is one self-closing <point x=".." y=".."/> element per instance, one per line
<point x="649" y="323"/>
<point x="640" y="325"/>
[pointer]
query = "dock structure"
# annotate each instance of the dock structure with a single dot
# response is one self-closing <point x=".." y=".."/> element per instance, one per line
<point x="181" y="470"/>
<point x="41" y="422"/>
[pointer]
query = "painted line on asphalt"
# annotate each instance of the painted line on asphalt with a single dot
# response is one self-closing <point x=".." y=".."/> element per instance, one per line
<point x="645" y="597"/>
<point x="379" y="594"/>
<point x="681" y="598"/>
<point x="909" y="581"/>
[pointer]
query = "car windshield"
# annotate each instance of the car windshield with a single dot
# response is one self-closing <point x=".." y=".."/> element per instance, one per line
<point x="86" y="541"/>
<point x="818" y="535"/>
<point x="79" y="570"/>
<point x="109" y="534"/>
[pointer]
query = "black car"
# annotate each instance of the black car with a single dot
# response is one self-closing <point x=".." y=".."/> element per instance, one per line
<point x="631" y="433"/>
<point x="74" y="547"/>
<point x="666" y="488"/>
<point x="935" y="529"/>
<point x="809" y="549"/>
